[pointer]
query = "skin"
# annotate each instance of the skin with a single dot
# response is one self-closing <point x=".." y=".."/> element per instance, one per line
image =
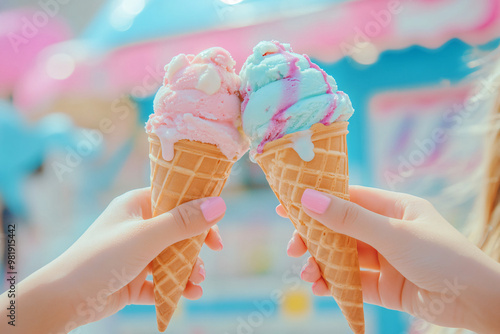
<point x="412" y="259"/>
<point x="412" y="254"/>
<point x="106" y="268"/>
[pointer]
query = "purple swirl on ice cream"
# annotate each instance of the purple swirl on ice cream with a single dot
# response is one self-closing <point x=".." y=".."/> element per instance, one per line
<point x="284" y="92"/>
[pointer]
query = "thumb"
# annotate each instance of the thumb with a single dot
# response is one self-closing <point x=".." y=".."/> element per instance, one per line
<point x="351" y="219"/>
<point x="185" y="221"/>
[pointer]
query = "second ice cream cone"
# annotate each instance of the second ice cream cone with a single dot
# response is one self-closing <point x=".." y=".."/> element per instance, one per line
<point x="289" y="175"/>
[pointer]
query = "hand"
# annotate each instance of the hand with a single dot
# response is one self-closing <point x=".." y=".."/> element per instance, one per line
<point x="414" y="260"/>
<point x="106" y="268"/>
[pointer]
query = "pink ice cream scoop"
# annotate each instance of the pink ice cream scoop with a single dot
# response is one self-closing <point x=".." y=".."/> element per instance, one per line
<point x="199" y="101"/>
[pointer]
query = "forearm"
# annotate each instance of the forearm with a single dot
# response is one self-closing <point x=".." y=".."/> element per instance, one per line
<point x="484" y="301"/>
<point x="40" y="305"/>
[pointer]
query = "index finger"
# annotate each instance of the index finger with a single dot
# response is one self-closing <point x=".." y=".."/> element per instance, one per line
<point x="383" y="202"/>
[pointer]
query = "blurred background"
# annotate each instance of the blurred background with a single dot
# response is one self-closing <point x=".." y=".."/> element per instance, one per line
<point x="77" y="80"/>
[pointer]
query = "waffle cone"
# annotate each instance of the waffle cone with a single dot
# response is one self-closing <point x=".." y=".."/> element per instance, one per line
<point x="197" y="170"/>
<point x="288" y="175"/>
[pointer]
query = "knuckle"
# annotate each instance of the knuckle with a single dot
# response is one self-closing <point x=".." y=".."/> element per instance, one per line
<point x="400" y="207"/>
<point x="349" y="214"/>
<point x="405" y="206"/>
<point x="183" y="218"/>
<point x="414" y="200"/>
<point x="424" y="203"/>
<point x="119" y="200"/>
<point x="411" y="207"/>
<point x="126" y="198"/>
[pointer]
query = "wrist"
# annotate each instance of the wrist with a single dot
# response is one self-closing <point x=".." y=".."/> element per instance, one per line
<point x="45" y="304"/>
<point x="483" y="300"/>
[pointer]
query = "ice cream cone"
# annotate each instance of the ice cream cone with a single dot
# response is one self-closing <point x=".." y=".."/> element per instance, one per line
<point x="197" y="170"/>
<point x="289" y="175"/>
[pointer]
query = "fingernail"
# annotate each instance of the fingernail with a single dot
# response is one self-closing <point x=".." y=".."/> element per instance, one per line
<point x="314" y="285"/>
<point x="304" y="269"/>
<point x="315" y="201"/>
<point x="289" y="245"/>
<point x="213" y="208"/>
<point x="202" y="271"/>
<point x="221" y="245"/>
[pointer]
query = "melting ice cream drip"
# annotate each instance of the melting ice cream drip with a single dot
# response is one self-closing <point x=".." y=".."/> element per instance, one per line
<point x="303" y="145"/>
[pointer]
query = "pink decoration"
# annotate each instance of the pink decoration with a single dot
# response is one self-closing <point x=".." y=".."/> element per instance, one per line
<point x="329" y="34"/>
<point x="23" y="34"/>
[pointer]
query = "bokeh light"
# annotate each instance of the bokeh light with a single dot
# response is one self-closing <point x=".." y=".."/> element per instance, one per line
<point x="231" y="2"/>
<point x="133" y="7"/>
<point x="60" y="66"/>
<point x="123" y="15"/>
<point x="365" y="53"/>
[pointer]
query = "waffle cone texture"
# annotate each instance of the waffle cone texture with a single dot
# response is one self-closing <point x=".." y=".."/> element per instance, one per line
<point x="289" y="175"/>
<point x="197" y="170"/>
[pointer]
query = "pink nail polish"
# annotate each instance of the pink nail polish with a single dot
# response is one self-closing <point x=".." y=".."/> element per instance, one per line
<point x="288" y="246"/>
<point x="304" y="269"/>
<point x="213" y="208"/>
<point x="315" y="201"/>
<point x="202" y="271"/>
<point x="314" y="285"/>
<point x="221" y="245"/>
